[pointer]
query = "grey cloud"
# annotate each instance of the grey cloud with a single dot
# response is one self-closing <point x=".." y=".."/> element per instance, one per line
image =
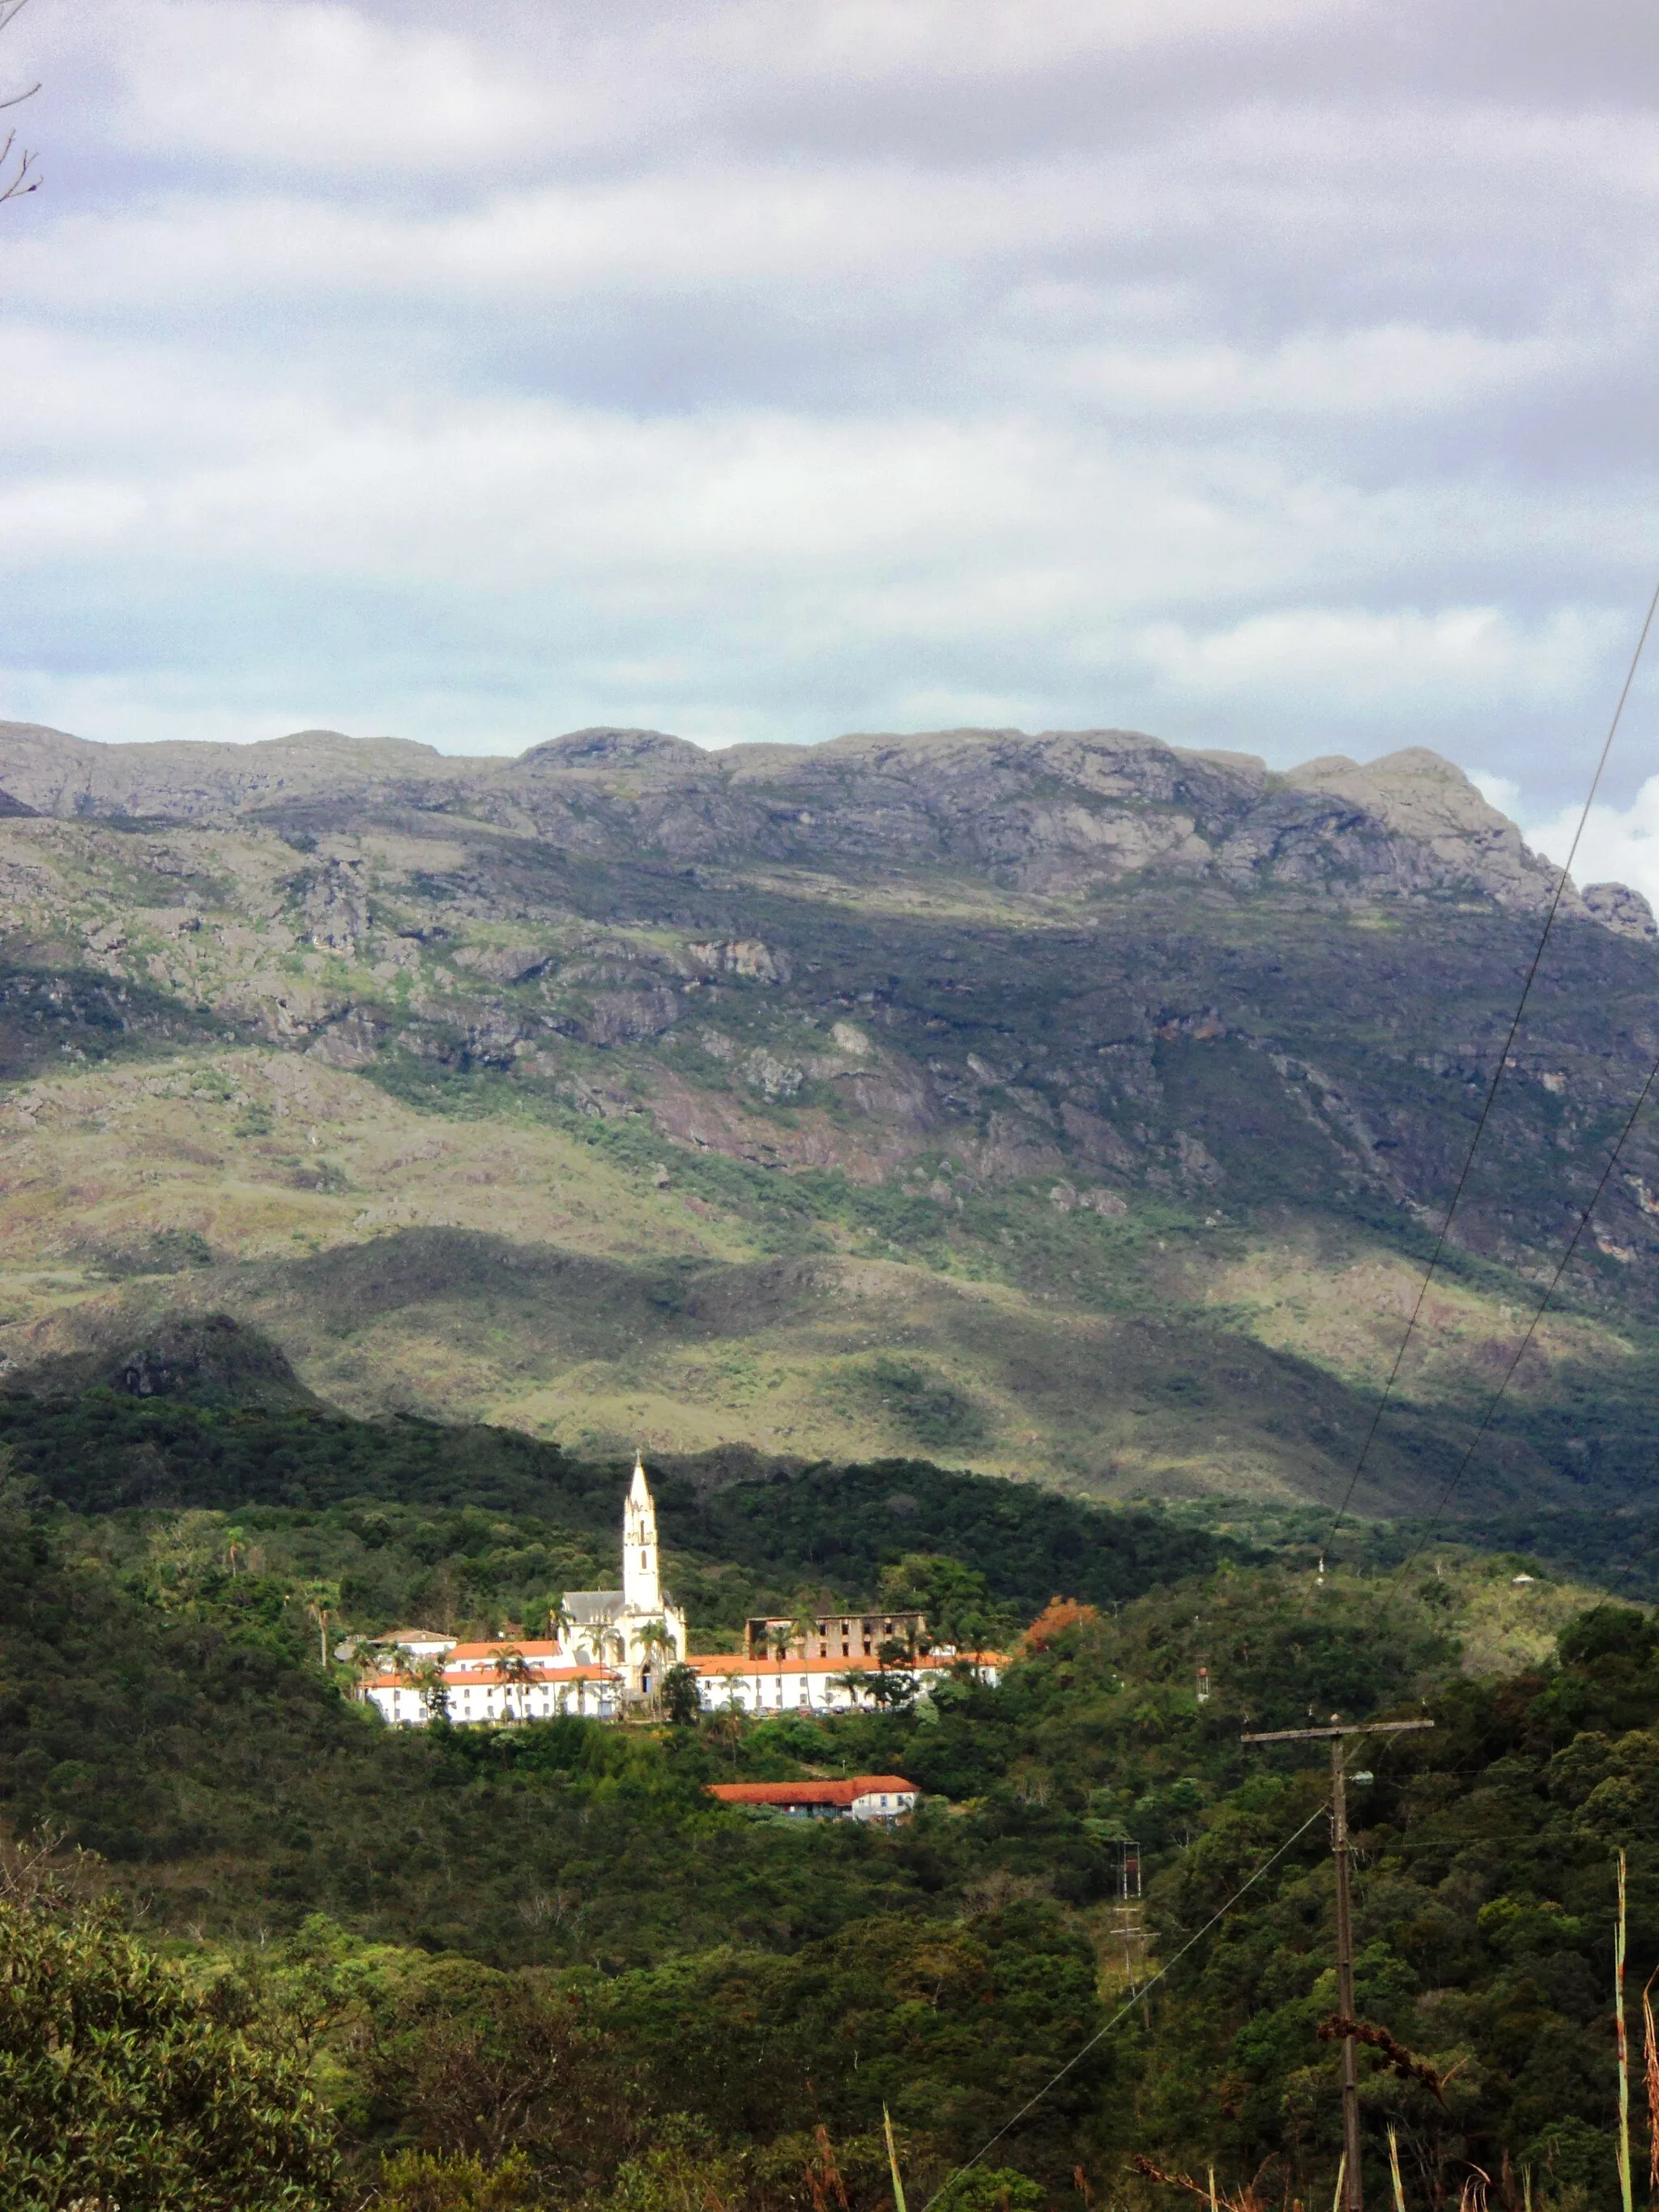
<point x="1274" y="377"/>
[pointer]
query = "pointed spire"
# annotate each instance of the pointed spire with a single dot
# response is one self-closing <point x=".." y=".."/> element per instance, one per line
<point x="641" y="1590"/>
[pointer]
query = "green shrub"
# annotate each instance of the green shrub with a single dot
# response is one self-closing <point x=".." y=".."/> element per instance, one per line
<point x="990" y="2188"/>
<point x="416" y="2181"/>
<point x="117" y="2085"/>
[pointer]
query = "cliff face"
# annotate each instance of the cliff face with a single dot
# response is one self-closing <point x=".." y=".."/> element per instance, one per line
<point x="1058" y="815"/>
<point x="1069" y="1104"/>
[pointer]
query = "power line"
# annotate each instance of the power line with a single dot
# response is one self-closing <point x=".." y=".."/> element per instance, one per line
<point x="1497" y="1078"/>
<point x="1123" y="2011"/>
<point x="1538" y="1315"/>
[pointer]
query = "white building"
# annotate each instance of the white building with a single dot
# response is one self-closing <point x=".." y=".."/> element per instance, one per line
<point x="884" y="1797"/>
<point x="530" y="1680"/>
<point x="614" y="1647"/>
<point x="419" y="1642"/>
<point x="733" y="1682"/>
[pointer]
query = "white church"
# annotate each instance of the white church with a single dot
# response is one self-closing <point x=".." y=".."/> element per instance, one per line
<point x="638" y="1630"/>
<point x="614" y="1648"/>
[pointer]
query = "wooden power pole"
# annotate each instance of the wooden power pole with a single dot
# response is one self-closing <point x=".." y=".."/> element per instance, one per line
<point x="1353" y="2192"/>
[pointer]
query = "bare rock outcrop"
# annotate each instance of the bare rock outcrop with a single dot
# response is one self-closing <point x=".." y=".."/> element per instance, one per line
<point x="1620" y="909"/>
<point x="1063" y="814"/>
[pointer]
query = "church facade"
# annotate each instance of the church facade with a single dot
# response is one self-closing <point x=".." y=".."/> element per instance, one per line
<point x="637" y="1630"/>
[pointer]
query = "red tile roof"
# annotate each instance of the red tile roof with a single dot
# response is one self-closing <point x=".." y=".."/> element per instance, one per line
<point x="526" y="1647"/>
<point x="735" y="1662"/>
<point x="461" y="1678"/>
<point x="811" y="1793"/>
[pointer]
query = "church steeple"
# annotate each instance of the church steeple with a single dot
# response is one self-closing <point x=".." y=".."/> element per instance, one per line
<point x="641" y="1580"/>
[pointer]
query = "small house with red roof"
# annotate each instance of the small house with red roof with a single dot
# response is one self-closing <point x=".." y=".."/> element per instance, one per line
<point x="884" y="1797"/>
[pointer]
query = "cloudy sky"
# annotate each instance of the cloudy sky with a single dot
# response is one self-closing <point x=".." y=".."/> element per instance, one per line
<point x="1279" y="377"/>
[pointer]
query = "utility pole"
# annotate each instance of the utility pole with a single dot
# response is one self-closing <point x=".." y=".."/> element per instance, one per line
<point x="1352" y="2192"/>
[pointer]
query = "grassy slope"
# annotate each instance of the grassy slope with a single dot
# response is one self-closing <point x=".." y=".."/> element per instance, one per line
<point x="523" y="1230"/>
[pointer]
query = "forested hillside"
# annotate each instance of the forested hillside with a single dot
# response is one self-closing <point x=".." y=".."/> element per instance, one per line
<point x="457" y="1935"/>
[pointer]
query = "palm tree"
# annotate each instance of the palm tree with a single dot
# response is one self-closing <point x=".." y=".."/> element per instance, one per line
<point x="427" y="1676"/>
<point x="369" y="1661"/>
<point x="658" y="1641"/>
<point x="322" y="1604"/>
<point x="725" y="1725"/>
<point x="513" y="1672"/>
<point x="804" y="1621"/>
<point x="893" y="1684"/>
<point x="611" y="1640"/>
<point x="235" y="1548"/>
<point x="560" y="1619"/>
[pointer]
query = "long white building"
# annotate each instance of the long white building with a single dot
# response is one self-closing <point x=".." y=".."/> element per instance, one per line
<point x="531" y="1679"/>
<point x="614" y="1650"/>
<point x="731" y="1680"/>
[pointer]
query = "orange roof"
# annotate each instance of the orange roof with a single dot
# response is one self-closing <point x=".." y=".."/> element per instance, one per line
<point x="460" y="1679"/>
<point x="525" y="1648"/>
<point x="811" y="1793"/>
<point x="471" y="1680"/>
<point x="734" y="1663"/>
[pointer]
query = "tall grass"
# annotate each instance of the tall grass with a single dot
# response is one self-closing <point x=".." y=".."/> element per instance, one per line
<point x="1394" y="2169"/>
<point x="892" y="2161"/>
<point x="1622" y="2144"/>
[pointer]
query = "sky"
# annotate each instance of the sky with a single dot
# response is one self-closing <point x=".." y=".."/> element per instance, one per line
<point x="1275" y="377"/>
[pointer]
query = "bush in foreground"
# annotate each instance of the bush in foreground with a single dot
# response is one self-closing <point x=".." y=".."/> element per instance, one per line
<point x="119" y="2087"/>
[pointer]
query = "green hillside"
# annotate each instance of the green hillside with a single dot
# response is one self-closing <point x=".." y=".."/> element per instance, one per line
<point x="512" y="1917"/>
<point x="975" y="1169"/>
<point x="627" y="1094"/>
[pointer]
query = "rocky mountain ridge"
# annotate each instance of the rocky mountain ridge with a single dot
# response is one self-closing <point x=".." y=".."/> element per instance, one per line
<point x="1072" y="1106"/>
<point x="1056" y="815"/>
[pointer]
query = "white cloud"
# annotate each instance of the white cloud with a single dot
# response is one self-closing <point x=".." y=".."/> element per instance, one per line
<point x="1372" y="375"/>
<point x="1619" y="844"/>
<point x="1388" y="665"/>
<point x="1499" y="791"/>
<point x="1270" y="377"/>
<point x="361" y="90"/>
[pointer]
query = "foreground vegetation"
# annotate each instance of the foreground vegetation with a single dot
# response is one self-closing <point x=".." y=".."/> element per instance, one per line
<point x="538" y="1965"/>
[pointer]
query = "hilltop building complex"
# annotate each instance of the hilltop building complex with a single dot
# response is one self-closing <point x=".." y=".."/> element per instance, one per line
<point x="615" y="1646"/>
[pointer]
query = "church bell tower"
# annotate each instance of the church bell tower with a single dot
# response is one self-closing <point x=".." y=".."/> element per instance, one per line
<point x="641" y="1580"/>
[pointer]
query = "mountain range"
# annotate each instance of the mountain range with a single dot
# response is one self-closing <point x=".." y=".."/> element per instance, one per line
<point x="1075" y="1106"/>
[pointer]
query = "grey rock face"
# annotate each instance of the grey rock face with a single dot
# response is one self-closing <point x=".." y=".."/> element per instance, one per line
<point x="1057" y="814"/>
<point x="1620" y="909"/>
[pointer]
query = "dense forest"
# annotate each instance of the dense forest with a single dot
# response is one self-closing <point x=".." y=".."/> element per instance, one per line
<point x="538" y="1966"/>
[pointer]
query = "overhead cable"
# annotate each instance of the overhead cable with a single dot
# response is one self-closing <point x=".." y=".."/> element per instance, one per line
<point x="1123" y="2011"/>
<point x="1496" y="1079"/>
<point x="1538" y="1314"/>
